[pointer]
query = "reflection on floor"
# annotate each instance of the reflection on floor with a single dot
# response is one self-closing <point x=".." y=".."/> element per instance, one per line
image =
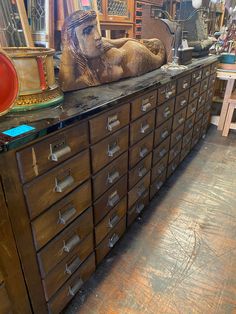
<point x="180" y="257"/>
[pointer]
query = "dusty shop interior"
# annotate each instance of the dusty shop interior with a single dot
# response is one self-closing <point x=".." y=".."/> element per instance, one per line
<point x="117" y="156"/>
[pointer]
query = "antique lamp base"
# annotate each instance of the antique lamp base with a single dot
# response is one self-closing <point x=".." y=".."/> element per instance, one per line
<point x="173" y="67"/>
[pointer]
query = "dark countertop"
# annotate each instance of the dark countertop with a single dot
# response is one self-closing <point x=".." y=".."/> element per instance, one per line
<point x="81" y="104"/>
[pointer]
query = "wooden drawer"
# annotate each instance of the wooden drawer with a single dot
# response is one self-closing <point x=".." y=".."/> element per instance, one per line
<point x="59" y="216"/>
<point x="138" y="190"/>
<point x="174" y="151"/>
<point x="110" y="199"/>
<point x="207" y="106"/>
<point x="189" y="124"/>
<point x="196" y="77"/>
<point x="107" y="150"/>
<point x="173" y="165"/>
<point x="177" y="136"/>
<point x="166" y="92"/>
<point x="107" y="177"/>
<point x="5" y="306"/>
<point x="140" y="170"/>
<point x="143" y="104"/>
<point x="206" y="118"/>
<point x="206" y="71"/>
<point x="141" y="127"/>
<point x="110" y="241"/>
<point x="209" y="94"/>
<point x="110" y="220"/>
<point x="194" y="92"/>
<point x="185" y="151"/>
<point x="204" y="85"/>
<point x="192" y="108"/>
<point x="160" y="151"/>
<point x="55" y="184"/>
<point x="214" y="67"/>
<point x="197" y="128"/>
<point x="65" y="243"/>
<point x="201" y="100"/>
<point x="159" y="168"/>
<point x="165" y="111"/>
<point x="140" y="150"/>
<point x="199" y="114"/>
<point x="157" y="184"/>
<point x="108" y="122"/>
<point x="72" y="286"/>
<point x="195" y="140"/>
<point x="181" y="101"/>
<point x="187" y="138"/>
<point x="48" y="153"/>
<point x="204" y="129"/>
<point x="179" y="118"/>
<point x="183" y="83"/>
<point x="137" y="208"/>
<point x="163" y="132"/>
<point x="67" y="267"/>
<point x="212" y="80"/>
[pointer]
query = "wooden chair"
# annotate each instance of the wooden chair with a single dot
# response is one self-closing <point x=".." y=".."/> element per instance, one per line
<point x="229" y="115"/>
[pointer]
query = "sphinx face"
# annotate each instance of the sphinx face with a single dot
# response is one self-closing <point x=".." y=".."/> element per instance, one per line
<point x="89" y="39"/>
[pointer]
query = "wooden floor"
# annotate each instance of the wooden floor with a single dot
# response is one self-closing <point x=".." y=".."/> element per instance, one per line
<point x="180" y="257"/>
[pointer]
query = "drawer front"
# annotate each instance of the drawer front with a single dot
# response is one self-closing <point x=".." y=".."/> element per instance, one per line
<point x="204" y="85"/>
<point x="72" y="286"/>
<point x="160" y="151"/>
<point x="183" y="83"/>
<point x="110" y="241"/>
<point x="59" y="216"/>
<point x="206" y="71"/>
<point x="138" y="190"/>
<point x="107" y="177"/>
<point x="207" y="106"/>
<point x="46" y="154"/>
<point x="187" y="138"/>
<point x="189" y="124"/>
<point x="66" y="268"/>
<point x="185" y="151"/>
<point x="110" y="221"/>
<point x="141" y="127"/>
<point x="157" y="184"/>
<point x="197" y="128"/>
<point x="192" y="108"/>
<point x="143" y="104"/>
<point x="194" y="92"/>
<point x="202" y="100"/>
<point x="199" y="113"/>
<point x="195" y="140"/>
<point x="181" y="101"/>
<point x="179" y="118"/>
<point x="206" y="118"/>
<point x="166" y="92"/>
<point x="177" y="135"/>
<point x="164" y="112"/>
<point x="107" y="150"/>
<point x="214" y="67"/>
<point x="196" y="77"/>
<point x="140" y="170"/>
<point x="108" y="122"/>
<point x="209" y="94"/>
<point x="173" y="165"/>
<point x="160" y="168"/>
<point x="5" y="306"/>
<point x="174" y="152"/>
<point x="137" y="208"/>
<point x="204" y="129"/>
<point x="55" y="184"/>
<point x="140" y="150"/>
<point x="65" y="243"/>
<point x="110" y="199"/>
<point x="163" y="132"/>
<point x="212" y="80"/>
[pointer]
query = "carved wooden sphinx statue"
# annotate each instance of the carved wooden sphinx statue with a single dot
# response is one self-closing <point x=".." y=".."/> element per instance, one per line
<point x="90" y="60"/>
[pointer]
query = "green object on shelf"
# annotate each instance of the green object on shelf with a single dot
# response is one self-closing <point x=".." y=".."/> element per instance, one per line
<point x="228" y="58"/>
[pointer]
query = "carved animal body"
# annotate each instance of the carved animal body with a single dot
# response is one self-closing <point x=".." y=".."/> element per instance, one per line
<point x="89" y="60"/>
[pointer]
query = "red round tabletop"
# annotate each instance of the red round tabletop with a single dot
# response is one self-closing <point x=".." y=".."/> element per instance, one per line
<point x="9" y="85"/>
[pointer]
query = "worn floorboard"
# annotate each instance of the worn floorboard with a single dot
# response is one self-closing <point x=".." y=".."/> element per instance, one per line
<point x="180" y="256"/>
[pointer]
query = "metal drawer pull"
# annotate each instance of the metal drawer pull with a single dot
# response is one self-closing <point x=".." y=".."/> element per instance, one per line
<point x="159" y="185"/>
<point x="113" y="199"/>
<point x="61" y="186"/>
<point x="207" y="73"/>
<point x="146" y="106"/>
<point x="176" y="152"/>
<point x="193" y="109"/>
<point x="143" y="152"/>
<point x="139" y="208"/>
<point x="178" y="137"/>
<point x="68" y="246"/>
<point x="190" y="125"/>
<point x="173" y="167"/>
<point x="164" y="134"/>
<point x="183" y="102"/>
<point x="144" y="128"/>
<point x="142" y="171"/>
<point x="113" y="240"/>
<point x="113" y="149"/>
<point x="162" y="152"/>
<point x="112" y="122"/>
<point x="205" y="86"/>
<point x="141" y="190"/>
<point x="65" y="217"/>
<point x="73" y="290"/>
<point x="166" y="114"/>
<point x="185" y="85"/>
<point x="71" y="268"/>
<point x="168" y="94"/>
<point x="113" y="221"/>
<point x="161" y="169"/>
<point x="195" y="94"/>
<point x="181" y="120"/>
<point x="55" y="156"/>
<point x="112" y="177"/>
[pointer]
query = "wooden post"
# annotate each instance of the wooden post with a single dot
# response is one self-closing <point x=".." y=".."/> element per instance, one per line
<point x="25" y="23"/>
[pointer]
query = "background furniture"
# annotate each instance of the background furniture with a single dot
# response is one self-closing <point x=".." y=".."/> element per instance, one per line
<point x="229" y="115"/>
